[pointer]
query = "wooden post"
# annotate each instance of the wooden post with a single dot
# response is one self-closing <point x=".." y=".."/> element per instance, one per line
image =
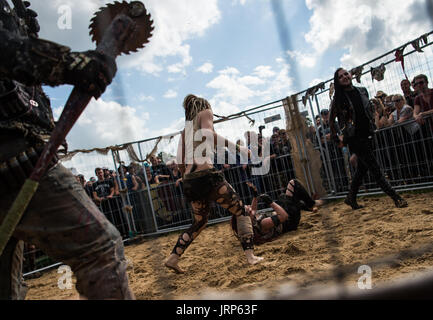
<point x="306" y="160"/>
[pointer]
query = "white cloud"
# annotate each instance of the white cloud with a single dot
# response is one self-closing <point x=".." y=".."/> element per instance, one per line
<point x="364" y="29"/>
<point x="175" y="22"/>
<point x="143" y="97"/>
<point x="235" y="92"/>
<point x="305" y="60"/>
<point x="205" y="68"/>
<point x="170" y="94"/>
<point x="105" y="123"/>
<point x="264" y="72"/>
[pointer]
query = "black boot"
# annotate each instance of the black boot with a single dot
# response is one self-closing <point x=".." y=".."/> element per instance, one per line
<point x="354" y="187"/>
<point x="351" y="201"/>
<point x="400" y="202"/>
<point x="386" y="187"/>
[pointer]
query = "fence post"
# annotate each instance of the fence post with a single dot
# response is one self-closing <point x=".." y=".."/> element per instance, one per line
<point x="148" y="190"/>
<point x="118" y="182"/>
<point x="308" y="159"/>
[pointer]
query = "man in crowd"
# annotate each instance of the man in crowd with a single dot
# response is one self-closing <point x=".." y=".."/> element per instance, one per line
<point x="409" y="95"/>
<point x="424" y="101"/>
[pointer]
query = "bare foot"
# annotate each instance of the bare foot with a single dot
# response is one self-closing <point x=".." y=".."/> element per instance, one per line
<point x="254" y="259"/>
<point x="318" y="203"/>
<point x="251" y="258"/>
<point x="172" y="263"/>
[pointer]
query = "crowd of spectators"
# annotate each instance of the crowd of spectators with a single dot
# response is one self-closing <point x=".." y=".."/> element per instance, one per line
<point x="404" y="135"/>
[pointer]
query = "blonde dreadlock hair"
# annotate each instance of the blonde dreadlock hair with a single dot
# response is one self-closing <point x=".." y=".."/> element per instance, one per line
<point x="193" y="105"/>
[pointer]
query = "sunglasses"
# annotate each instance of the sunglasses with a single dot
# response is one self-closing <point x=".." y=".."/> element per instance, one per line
<point x="397" y="100"/>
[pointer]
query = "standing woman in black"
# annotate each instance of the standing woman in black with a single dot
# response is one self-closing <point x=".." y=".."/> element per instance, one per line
<point x="351" y="106"/>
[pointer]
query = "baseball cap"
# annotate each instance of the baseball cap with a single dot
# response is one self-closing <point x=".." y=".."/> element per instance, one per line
<point x="275" y="129"/>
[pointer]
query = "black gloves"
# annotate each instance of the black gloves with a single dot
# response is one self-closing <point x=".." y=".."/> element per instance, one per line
<point x="90" y="71"/>
<point x="266" y="199"/>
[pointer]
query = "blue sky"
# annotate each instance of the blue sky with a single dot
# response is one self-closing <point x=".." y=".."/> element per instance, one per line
<point x="228" y="51"/>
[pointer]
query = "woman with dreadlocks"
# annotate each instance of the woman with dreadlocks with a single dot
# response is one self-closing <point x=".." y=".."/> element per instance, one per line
<point x="203" y="184"/>
<point x="285" y="214"/>
<point x="351" y="105"/>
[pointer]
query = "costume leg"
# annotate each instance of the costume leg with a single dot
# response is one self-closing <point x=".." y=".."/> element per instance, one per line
<point x="299" y="193"/>
<point x="12" y="286"/>
<point x="368" y="160"/>
<point x="361" y="170"/>
<point x="201" y="214"/>
<point x="63" y="222"/>
<point x="227" y="197"/>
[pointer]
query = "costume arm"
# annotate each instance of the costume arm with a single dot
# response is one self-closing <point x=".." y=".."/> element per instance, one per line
<point x="33" y="61"/>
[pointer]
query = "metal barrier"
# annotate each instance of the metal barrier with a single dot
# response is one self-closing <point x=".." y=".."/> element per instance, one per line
<point x="404" y="154"/>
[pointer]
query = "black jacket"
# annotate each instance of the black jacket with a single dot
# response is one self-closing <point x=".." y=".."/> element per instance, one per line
<point x="346" y="114"/>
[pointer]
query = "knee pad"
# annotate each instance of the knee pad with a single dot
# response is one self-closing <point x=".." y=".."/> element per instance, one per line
<point x="245" y="227"/>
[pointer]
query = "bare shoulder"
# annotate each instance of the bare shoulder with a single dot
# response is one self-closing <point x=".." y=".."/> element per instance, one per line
<point x="205" y="118"/>
<point x="207" y="113"/>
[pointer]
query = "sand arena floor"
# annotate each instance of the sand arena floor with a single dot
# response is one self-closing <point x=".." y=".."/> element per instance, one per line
<point x="215" y="260"/>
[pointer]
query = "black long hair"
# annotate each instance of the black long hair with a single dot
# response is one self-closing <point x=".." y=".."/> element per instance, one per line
<point x="340" y="98"/>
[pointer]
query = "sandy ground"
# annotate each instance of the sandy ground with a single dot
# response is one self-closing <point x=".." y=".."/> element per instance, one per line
<point x="216" y="262"/>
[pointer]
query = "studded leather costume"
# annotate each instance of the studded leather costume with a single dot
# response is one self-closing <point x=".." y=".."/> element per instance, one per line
<point x="61" y="219"/>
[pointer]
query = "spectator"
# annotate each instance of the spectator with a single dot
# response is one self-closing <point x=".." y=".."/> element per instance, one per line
<point x="403" y="112"/>
<point x="424" y="100"/>
<point x="381" y="96"/>
<point x="89" y="187"/>
<point x="323" y="129"/>
<point x="138" y="172"/>
<point x="380" y="118"/>
<point x="108" y="174"/>
<point x="150" y="177"/>
<point x="81" y="180"/>
<point x="318" y="123"/>
<point x="175" y="174"/>
<point x="127" y="180"/>
<point x="389" y="105"/>
<point x="286" y="147"/>
<point x="275" y="143"/>
<point x="103" y="189"/>
<point x="104" y="196"/>
<point x="160" y="171"/>
<point x="409" y="95"/>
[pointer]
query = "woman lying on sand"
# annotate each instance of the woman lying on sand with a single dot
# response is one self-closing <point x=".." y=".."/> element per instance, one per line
<point x="285" y="215"/>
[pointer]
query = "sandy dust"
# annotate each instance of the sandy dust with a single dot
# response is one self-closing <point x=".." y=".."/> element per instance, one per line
<point x="216" y="262"/>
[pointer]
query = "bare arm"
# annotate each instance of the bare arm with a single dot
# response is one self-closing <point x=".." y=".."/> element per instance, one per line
<point x="95" y="196"/>
<point x="134" y="183"/>
<point x="268" y="224"/>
